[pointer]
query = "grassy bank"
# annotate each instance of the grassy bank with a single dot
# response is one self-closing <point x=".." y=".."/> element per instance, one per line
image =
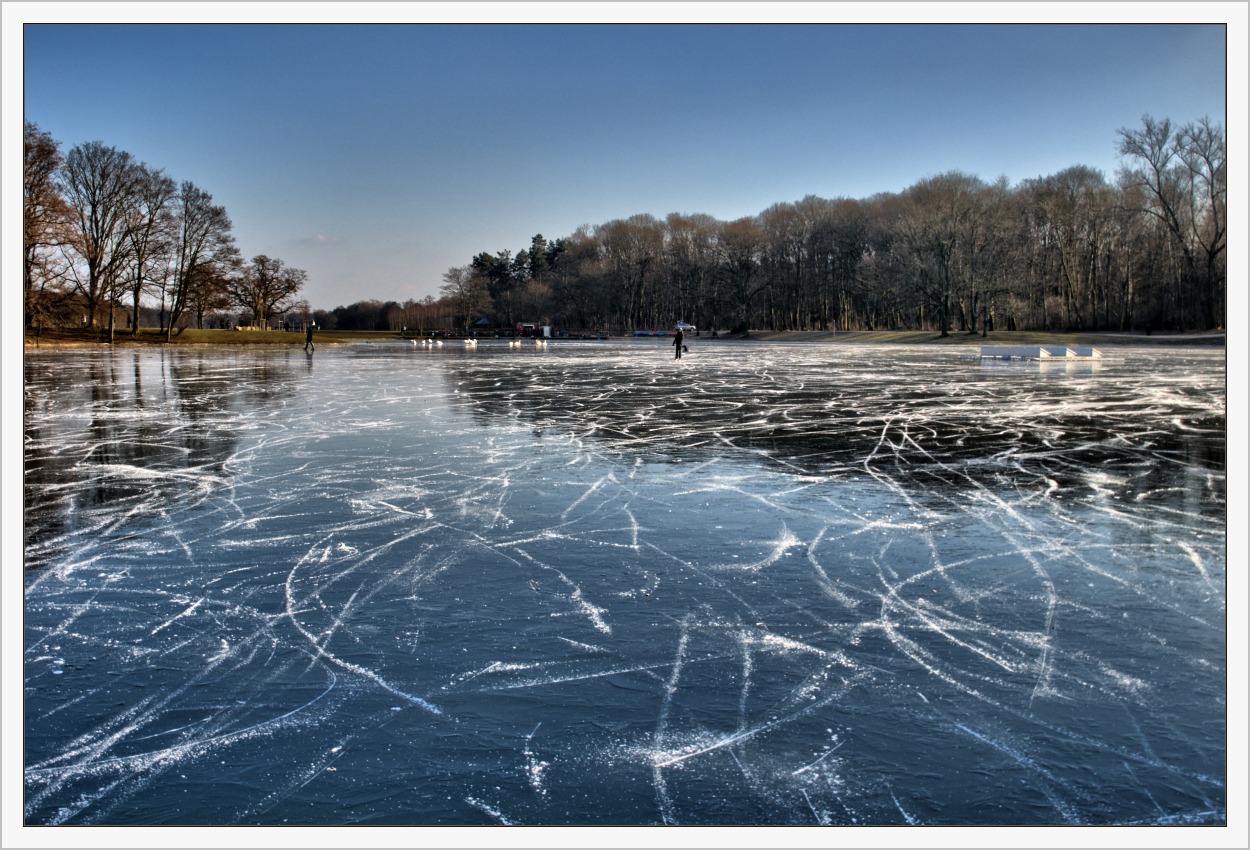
<point x="152" y="336"/>
<point x="192" y="336"/>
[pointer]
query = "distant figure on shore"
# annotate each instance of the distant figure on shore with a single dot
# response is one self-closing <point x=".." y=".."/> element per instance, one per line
<point x="678" y="342"/>
<point x="308" y="343"/>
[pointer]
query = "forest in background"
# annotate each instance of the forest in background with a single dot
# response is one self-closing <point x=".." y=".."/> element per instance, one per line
<point x="1072" y="251"/>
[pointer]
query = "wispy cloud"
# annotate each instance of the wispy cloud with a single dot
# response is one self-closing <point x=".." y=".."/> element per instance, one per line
<point x="321" y="239"/>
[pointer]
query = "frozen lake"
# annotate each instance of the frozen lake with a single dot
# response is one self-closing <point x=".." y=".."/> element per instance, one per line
<point x="768" y="584"/>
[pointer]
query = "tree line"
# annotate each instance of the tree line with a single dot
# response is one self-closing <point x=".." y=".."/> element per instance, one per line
<point x="1070" y="251"/>
<point x="105" y="234"/>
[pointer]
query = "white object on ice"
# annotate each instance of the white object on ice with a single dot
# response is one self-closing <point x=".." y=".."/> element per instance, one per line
<point x="1040" y="352"/>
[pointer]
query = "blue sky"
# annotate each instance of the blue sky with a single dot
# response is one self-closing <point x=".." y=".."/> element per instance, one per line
<point x="375" y="157"/>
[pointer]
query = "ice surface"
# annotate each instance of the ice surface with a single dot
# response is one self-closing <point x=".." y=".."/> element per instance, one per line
<point x="587" y="584"/>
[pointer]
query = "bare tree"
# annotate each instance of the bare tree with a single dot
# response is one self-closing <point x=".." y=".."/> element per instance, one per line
<point x="1072" y="211"/>
<point x="688" y="264"/>
<point x="1202" y="149"/>
<point x="99" y="182"/>
<point x="467" y="291"/>
<point x="933" y="228"/>
<point x="633" y="248"/>
<point x="202" y="240"/>
<point x="885" y="295"/>
<point x="210" y="290"/>
<point x="577" y="270"/>
<point x="149" y="231"/>
<point x="45" y="216"/>
<point x="1183" y="176"/>
<point x="739" y="245"/>
<point x="265" y="288"/>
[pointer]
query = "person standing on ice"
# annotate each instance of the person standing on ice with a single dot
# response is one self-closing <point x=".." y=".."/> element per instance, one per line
<point x="308" y="343"/>
<point x="678" y="339"/>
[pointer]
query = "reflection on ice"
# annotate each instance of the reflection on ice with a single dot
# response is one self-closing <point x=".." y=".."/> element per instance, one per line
<point x="588" y="585"/>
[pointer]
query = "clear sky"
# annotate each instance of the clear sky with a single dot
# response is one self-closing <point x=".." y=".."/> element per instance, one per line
<point x="377" y="156"/>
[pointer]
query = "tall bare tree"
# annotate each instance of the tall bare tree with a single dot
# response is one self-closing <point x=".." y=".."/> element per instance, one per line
<point x="1183" y="175"/>
<point x="939" y="227"/>
<point x="1072" y="210"/>
<point x="884" y="294"/>
<point x="688" y="263"/>
<point x="99" y="183"/>
<point x="202" y="240"/>
<point x="577" y="271"/>
<point x="783" y="262"/>
<point x="1202" y="149"/>
<point x="632" y="248"/>
<point x="44" y="216"/>
<point x="149" y="231"/>
<point x="739" y="244"/>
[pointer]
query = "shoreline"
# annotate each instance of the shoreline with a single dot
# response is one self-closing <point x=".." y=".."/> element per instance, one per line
<point x="958" y="338"/>
<point x="1087" y="338"/>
